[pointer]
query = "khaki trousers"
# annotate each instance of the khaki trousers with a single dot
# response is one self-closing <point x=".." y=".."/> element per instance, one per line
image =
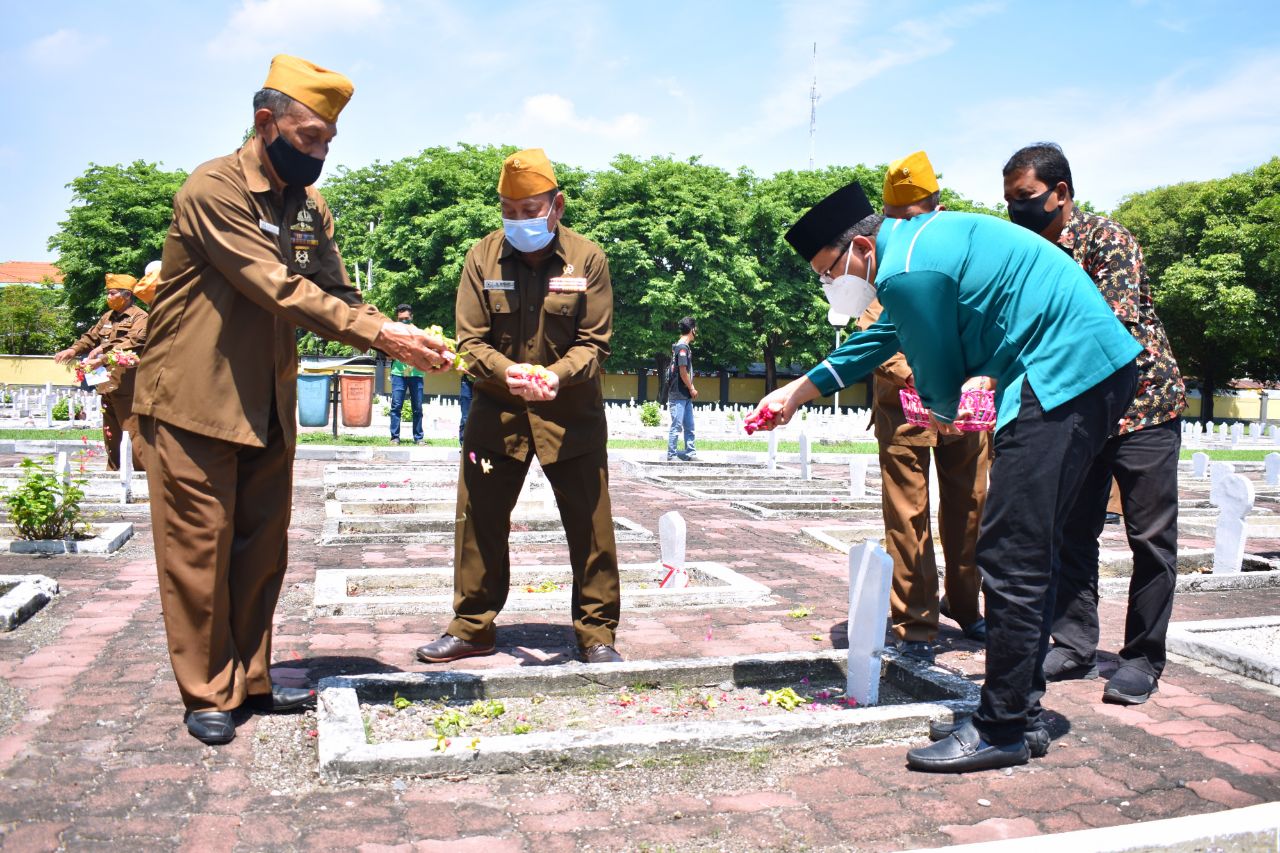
<point x="482" y="557"/>
<point x="219" y="515"/>
<point x="117" y="416"/>
<point x="962" y="482"/>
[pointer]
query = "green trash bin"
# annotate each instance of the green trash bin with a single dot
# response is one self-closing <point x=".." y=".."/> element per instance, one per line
<point x="313" y="399"/>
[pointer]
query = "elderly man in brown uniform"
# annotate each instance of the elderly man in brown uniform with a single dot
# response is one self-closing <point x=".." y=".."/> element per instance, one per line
<point x="533" y="292"/>
<point x="249" y="257"/>
<point x="123" y="327"/>
<point x="910" y="189"/>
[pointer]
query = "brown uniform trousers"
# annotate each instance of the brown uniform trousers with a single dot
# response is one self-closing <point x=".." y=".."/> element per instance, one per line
<point x="559" y="314"/>
<point x="244" y="264"/>
<point x="115" y="331"/>
<point x="962" y="462"/>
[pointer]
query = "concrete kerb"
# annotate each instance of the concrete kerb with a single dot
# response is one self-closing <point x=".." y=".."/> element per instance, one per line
<point x="1252" y="828"/>
<point x="26" y="595"/>
<point x="109" y="539"/>
<point x="1210" y="641"/>
<point x="718" y="586"/>
<point x="434" y="530"/>
<point x="346" y="753"/>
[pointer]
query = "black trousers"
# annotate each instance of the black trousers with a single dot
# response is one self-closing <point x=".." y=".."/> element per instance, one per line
<point x="1041" y="460"/>
<point x="1145" y="464"/>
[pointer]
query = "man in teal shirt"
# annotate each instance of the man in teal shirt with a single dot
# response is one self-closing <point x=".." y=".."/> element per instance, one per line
<point x="405" y="381"/>
<point x="967" y="296"/>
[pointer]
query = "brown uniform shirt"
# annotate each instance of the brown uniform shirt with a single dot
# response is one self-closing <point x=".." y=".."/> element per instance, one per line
<point x="560" y="315"/>
<point x="115" y="330"/>
<point x="243" y="266"/>
<point x="891" y="424"/>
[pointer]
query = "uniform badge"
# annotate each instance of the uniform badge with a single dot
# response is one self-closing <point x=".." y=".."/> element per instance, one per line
<point x="301" y="257"/>
<point x="499" y="284"/>
<point x="566" y="284"/>
<point x="568" y="269"/>
<point x="311" y="203"/>
<point x="306" y="215"/>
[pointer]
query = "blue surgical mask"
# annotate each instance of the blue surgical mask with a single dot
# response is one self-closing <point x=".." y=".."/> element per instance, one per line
<point x="528" y="235"/>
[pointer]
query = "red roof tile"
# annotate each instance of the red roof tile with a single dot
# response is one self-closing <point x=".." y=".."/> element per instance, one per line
<point x="28" y="272"/>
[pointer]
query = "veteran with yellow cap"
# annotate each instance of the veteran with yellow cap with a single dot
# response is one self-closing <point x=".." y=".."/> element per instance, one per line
<point x="122" y="327"/>
<point x="533" y="294"/>
<point x="249" y="257"/>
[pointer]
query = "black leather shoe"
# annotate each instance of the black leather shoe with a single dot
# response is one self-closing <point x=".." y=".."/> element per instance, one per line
<point x="282" y="699"/>
<point x="976" y="631"/>
<point x="1111" y="518"/>
<point x="211" y="727"/>
<point x="449" y="647"/>
<point x="1060" y="666"/>
<point x="1130" y="685"/>
<point x="600" y="653"/>
<point x="917" y="650"/>
<point x="1037" y="739"/>
<point x="964" y="751"/>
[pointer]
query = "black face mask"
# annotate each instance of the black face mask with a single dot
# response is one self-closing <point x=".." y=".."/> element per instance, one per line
<point x="1030" y="212"/>
<point x="294" y="167"/>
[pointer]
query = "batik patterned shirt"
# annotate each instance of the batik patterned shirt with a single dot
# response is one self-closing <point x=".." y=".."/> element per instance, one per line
<point x="1113" y="259"/>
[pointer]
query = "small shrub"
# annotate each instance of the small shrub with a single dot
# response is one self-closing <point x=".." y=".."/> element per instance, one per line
<point x="62" y="410"/>
<point x="650" y="413"/>
<point x="42" y="507"/>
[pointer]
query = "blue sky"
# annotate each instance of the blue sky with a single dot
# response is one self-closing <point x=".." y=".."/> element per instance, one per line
<point x="1140" y="93"/>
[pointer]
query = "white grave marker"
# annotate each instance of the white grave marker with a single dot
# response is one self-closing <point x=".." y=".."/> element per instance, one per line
<point x="870" y="576"/>
<point x="126" y="467"/>
<point x="672" y="536"/>
<point x="804" y="456"/>
<point x="1233" y="495"/>
<point x="62" y="467"/>
<point x="1199" y="465"/>
<point x="858" y="476"/>
<point x="1271" y="469"/>
<point x="773" y="450"/>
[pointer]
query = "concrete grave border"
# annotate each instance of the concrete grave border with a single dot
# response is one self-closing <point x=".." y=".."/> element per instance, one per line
<point x="1196" y="640"/>
<point x="109" y="539"/>
<point x="29" y="594"/>
<point x="345" y="752"/>
<point x="624" y="530"/>
<point x="331" y="598"/>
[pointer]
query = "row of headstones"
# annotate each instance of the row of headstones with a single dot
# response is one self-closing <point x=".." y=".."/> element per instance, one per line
<point x="34" y="402"/>
<point x="62" y="467"/>
<point x="1270" y="467"/>
<point x="1194" y="432"/>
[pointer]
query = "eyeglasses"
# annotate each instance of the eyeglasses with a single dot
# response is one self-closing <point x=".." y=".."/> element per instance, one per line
<point x="826" y="277"/>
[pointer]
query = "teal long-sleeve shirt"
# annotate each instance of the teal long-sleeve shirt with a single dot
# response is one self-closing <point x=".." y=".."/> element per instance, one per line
<point x="972" y="295"/>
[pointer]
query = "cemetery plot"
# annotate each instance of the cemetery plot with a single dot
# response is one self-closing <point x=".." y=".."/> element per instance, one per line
<point x="97" y="539"/>
<point x="390" y="591"/>
<point x="580" y="714"/>
<point x="21" y="596"/>
<point x="1248" y="647"/>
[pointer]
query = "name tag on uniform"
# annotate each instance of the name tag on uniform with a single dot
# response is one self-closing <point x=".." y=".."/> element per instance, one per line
<point x="566" y="284"/>
<point x="273" y="230"/>
<point x="499" y="284"/>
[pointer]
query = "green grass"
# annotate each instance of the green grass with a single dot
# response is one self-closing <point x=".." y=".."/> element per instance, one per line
<point x="614" y="444"/>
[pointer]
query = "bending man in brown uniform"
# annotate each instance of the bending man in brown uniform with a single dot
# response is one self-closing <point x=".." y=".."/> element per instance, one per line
<point x="248" y="258"/>
<point x="910" y="189"/>
<point x="123" y="327"/>
<point x="533" y="293"/>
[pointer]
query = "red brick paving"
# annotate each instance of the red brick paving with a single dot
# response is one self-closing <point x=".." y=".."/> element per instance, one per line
<point x="99" y="758"/>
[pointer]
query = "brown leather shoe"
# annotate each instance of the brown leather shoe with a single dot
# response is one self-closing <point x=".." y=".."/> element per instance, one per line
<point x="600" y="653"/>
<point x="449" y="647"/>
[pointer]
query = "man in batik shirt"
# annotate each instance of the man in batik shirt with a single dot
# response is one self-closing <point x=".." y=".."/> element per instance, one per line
<point x="1143" y="455"/>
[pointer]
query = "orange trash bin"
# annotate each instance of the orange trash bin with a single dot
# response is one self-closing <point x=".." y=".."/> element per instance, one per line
<point x="357" y="399"/>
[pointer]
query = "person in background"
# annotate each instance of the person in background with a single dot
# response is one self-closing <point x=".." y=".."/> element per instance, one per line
<point x="682" y="393"/>
<point x="1142" y="456"/>
<point x="122" y="327"/>
<point x="406" y="381"/>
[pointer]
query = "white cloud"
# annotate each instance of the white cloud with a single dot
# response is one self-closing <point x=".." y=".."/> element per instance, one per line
<point x="63" y="49"/>
<point x="1182" y="128"/>
<point x="260" y="24"/>
<point x="552" y="120"/>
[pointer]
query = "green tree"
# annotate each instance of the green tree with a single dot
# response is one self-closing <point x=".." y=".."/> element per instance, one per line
<point x="673" y="232"/>
<point x="1213" y="252"/>
<point x="116" y="223"/>
<point x="33" y="320"/>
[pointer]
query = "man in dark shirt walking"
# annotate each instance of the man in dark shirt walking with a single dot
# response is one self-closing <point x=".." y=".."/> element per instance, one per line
<point x="681" y="393"/>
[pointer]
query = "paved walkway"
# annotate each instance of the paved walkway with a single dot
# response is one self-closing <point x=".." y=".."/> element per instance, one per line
<point x="93" y="754"/>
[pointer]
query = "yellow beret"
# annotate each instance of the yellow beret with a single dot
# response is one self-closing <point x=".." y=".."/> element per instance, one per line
<point x="117" y="281"/>
<point x="909" y="180"/>
<point x="526" y="173"/>
<point x="146" y="287"/>
<point x="324" y="91"/>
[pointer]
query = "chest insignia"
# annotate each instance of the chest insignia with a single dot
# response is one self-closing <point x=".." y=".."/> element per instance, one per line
<point x="566" y="284"/>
